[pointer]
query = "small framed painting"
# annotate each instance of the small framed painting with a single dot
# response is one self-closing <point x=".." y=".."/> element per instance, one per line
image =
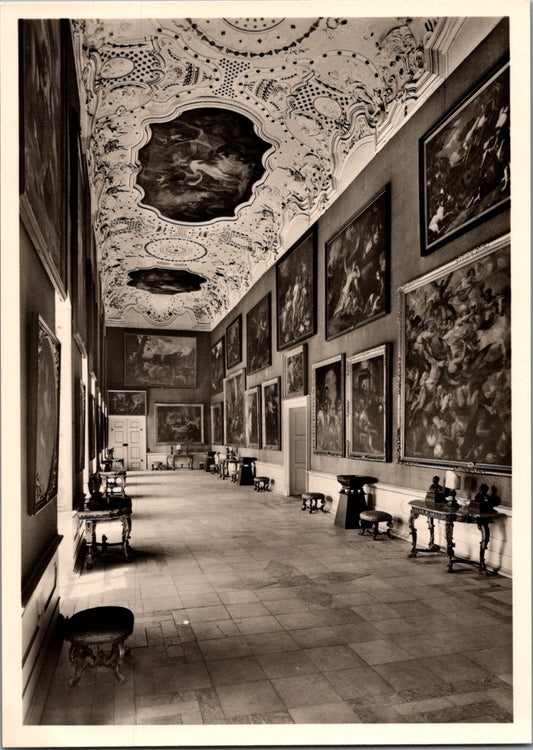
<point x="328" y="406"/>
<point x="357" y="269"/>
<point x="367" y="404"/>
<point x="465" y="163"/>
<point x="252" y="411"/>
<point x="122" y="403"/>
<point x="258" y="336"/>
<point x="295" y="372"/>
<point x="217" y="423"/>
<point x="296" y="292"/>
<point x="179" y="423"/>
<point x="234" y="387"/>
<point x="234" y="343"/>
<point x="217" y="366"/>
<point x="271" y="413"/>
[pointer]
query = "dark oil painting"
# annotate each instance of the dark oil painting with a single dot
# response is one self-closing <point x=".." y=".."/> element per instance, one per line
<point x="271" y="417"/>
<point x="165" y="280"/>
<point x="79" y="420"/>
<point x="122" y="403"/>
<point x="258" y="336"/>
<point x="465" y="163"/>
<point x="455" y="353"/>
<point x="296" y="292"/>
<point x="367" y="404"/>
<point x="217" y="366"/>
<point x="234" y="388"/>
<point x="253" y="417"/>
<point x="234" y="343"/>
<point x="201" y="165"/>
<point x="217" y="423"/>
<point x="155" y="360"/>
<point x="295" y="372"/>
<point x="179" y="423"/>
<point x="357" y="269"/>
<point x="328" y="406"/>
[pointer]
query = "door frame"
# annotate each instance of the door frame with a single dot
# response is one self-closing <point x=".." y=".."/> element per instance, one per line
<point x="288" y="404"/>
<point x="127" y="418"/>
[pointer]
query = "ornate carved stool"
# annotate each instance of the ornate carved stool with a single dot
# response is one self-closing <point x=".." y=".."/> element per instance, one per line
<point x="90" y="630"/>
<point x="374" y="518"/>
<point x="262" y="484"/>
<point x="312" y="498"/>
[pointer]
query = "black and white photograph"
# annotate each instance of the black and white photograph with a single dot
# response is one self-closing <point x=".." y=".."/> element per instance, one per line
<point x="266" y="383"/>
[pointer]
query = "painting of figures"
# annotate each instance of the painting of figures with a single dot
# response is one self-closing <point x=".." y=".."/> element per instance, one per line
<point x="234" y="388"/>
<point x="455" y="353"/>
<point x="367" y="407"/>
<point x="357" y="269"/>
<point x="160" y="360"/>
<point x="79" y="420"/>
<point x="201" y="165"/>
<point x="234" y="343"/>
<point x="127" y="402"/>
<point x="258" y="336"/>
<point x="217" y="366"/>
<point x="296" y="292"/>
<point x="328" y="406"/>
<point x="44" y="144"/>
<point x="295" y="372"/>
<point x="253" y="417"/>
<point x="271" y="417"/>
<point x="217" y="423"/>
<point x="179" y="423"/>
<point x="465" y="163"/>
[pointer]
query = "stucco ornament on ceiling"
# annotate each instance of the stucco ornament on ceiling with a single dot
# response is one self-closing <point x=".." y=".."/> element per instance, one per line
<point x="317" y="92"/>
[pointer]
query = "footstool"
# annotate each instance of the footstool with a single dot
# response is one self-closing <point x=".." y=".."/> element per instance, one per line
<point x="312" y="498"/>
<point x="91" y="629"/>
<point x="374" y="518"/>
<point x="262" y="484"/>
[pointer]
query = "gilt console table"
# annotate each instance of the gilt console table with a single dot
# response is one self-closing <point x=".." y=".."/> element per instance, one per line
<point x="450" y="515"/>
<point x="105" y="509"/>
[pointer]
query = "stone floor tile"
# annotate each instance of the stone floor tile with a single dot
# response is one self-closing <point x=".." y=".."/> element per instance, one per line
<point x="328" y="658"/>
<point x="402" y="675"/>
<point x="304" y="690"/>
<point x="234" y="671"/>
<point x="358" y="682"/>
<point x="224" y="648"/>
<point x="379" y="651"/>
<point x="265" y="643"/>
<point x="310" y="637"/>
<point x="337" y="712"/>
<point x="252" y="625"/>
<point x="239" y="596"/>
<point x="249" y="698"/>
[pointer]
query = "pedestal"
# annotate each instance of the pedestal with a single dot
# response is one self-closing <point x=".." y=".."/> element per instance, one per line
<point x="247" y="470"/>
<point x="351" y="500"/>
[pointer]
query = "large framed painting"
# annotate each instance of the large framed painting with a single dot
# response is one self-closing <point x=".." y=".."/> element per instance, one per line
<point x="79" y="421"/>
<point x="357" y="268"/>
<point x="43" y="144"/>
<point x="234" y="343"/>
<point x="217" y="366"/>
<point x="465" y="163"/>
<point x="179" y="423"/>
<point x="295" y="372"/>
<point x="122" y="403"/>
<point x="271" y="413"/>
<point x="455" y="364"/>
<point x="327" y="401"/>
<point x="252" y="412"/>
<point x="296" y="292"/>
<point x="92" y="427"/>
<point x="234" y="388"/>
<point x="43" y="416"/>
<point x="367" y="404"/>
<point x="217" y="423"/>
<point x="155" y="360"/>
<point x="259" y="336"/>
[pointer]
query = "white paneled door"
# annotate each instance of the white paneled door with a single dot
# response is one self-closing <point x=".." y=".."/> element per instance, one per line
<point x="127" y="435"/>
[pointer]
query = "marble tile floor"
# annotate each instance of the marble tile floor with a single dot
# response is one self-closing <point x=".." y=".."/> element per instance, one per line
<point x="250" y="611"/>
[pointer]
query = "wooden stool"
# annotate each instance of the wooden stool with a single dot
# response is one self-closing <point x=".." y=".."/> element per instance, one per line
<point x="262" y="484"/>
<point x="91" y="629"/>
<point x="312" y="498"/>
<point x="373" y="518"/>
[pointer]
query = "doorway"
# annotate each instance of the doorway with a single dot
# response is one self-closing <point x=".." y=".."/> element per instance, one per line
<point x="297" y="454"/>
<point x="127" y="436"/>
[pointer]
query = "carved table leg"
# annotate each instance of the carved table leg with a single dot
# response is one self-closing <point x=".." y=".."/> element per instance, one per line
<point x="90" y="539"/>
<point x="323" y="505"/>
<point x="126" y="534"/>
<point x="389" y="529"/>
<point x="80" y="656"/>
<point x="484" y="543"/>
<point x="313" y="505"/>
<point x="412" y="518"/>
<point x="304" y="499"/>
<point x="431" y="527"/>
<point x="449" y="544"/>
<point x="375" y="530"/>
<point x="114" y="660"/>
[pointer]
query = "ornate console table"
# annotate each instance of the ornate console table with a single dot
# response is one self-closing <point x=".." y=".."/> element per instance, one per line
<point x="105" y="509"/>
<point x="450" y="515"/>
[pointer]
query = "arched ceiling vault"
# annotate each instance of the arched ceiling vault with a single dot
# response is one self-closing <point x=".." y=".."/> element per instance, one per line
<point x="212" y="144"/>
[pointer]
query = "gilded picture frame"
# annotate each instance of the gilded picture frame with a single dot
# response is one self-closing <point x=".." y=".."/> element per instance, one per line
<point x="259" y="336"/>
<point x="271" y="413"/>
<point x="234" y="343"/>
<point x="179" y="424"/>
<point x="295" y="372"/>
<point x="217" y="366"/>
<point x="252" y="411"/>
<point x="327" y="400"/>
<point x="156" y="360"/>
<point x="234" y="424"/>
<point x="296" y="292"/>
<point x="217" y="423"/>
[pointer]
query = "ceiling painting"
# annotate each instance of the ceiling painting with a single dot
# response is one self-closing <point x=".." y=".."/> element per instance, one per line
<point x="165" y="280"/>
<point x="213" y="144"/>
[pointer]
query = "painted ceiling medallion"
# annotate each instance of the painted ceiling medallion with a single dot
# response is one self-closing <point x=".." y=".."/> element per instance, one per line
<point x="202" y="165"/>
<point x="165" y="280"/>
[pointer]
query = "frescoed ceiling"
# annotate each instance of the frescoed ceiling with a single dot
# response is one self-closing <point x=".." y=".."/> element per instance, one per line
<point x="213" y="144"/>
